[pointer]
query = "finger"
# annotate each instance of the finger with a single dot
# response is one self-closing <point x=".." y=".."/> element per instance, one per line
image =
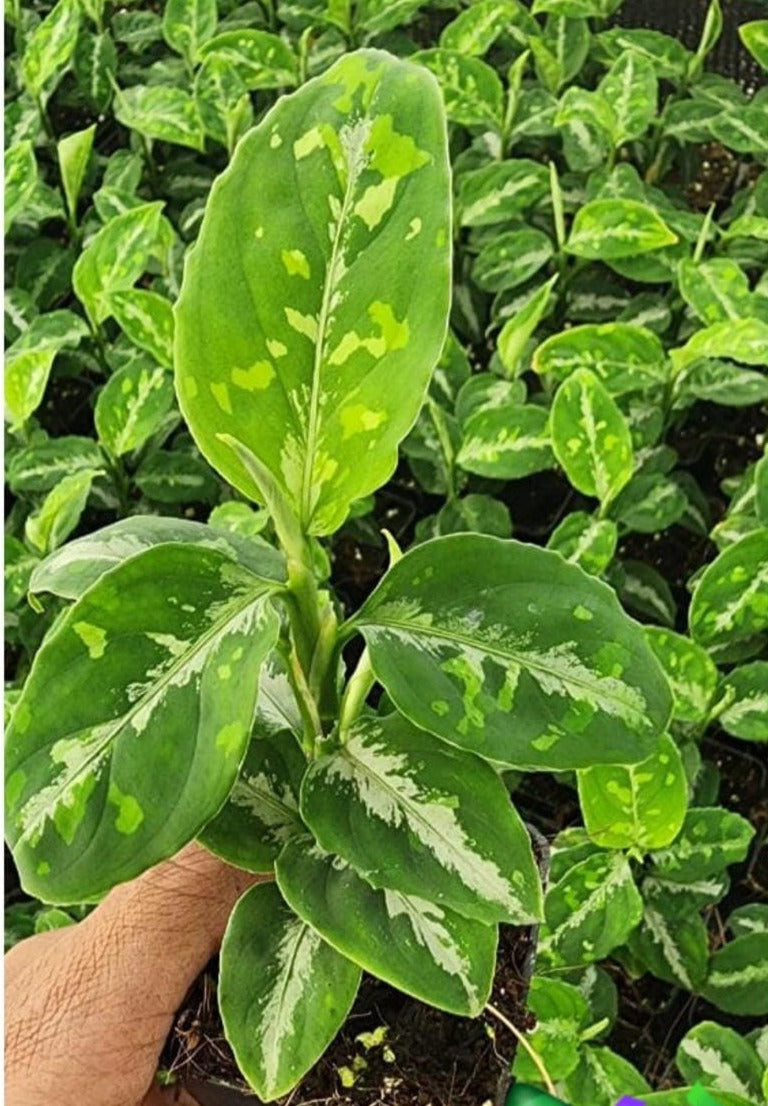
<point x="90" y="1016"/>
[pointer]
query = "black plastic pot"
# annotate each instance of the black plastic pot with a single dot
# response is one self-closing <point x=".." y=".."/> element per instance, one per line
<point x="217" y="1093"/>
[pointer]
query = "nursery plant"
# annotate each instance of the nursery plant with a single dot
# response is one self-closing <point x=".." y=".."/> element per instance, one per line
<point x="394" y="844"/>
<point x="284" y="278"/>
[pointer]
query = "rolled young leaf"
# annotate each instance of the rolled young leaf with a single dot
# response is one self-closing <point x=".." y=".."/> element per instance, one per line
<point x="283" y="992"/>
<point x="421" y="948"/>
<point x="155" y="671"/>
<point x="507" y="650"/>
<point x="295" y="335"/>
<point x="414" y="815"/>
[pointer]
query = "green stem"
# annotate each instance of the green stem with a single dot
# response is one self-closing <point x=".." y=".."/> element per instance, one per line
<point x="312" y="727"/>
<point x="355" y="694"/>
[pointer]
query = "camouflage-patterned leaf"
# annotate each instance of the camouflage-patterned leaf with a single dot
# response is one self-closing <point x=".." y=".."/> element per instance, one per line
<point x="474" y="641"/>
<point x="506" y="442"/>
<point x="746" y="691"/>
<point x="425" y="819"/>
<point x="131" y="406"/>
<point x="731" y="597"/>
<point x="147" y="319"/>
<point x="590" y="437"/>
<point x="141" y="742"/>
<point x="691" y="673"/>
<point x="472" y="92"/>
<point x="605" y="230"/>
<point x="312" y="357"/>
<point x="284" y="996"/>
<point x="586" y="541"/>
<point x="638" y="806"/>
<point x="626" y="358"/>
<point x="499" y="192"/>
<point x="420" y="947"/>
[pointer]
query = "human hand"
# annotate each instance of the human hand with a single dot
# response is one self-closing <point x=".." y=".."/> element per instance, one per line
<point x="88" y="1007"/>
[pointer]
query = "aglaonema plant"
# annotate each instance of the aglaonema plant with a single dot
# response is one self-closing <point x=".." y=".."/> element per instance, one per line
<point x="198" y="684"/>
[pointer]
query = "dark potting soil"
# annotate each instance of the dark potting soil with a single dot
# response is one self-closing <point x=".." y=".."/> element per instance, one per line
<point x="424" y="1057"/>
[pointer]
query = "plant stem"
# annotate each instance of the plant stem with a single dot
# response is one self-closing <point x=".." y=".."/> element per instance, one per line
<point x="356" y="692"/>
<point x="545" y="1076"/>
<point x="313" y="729"/>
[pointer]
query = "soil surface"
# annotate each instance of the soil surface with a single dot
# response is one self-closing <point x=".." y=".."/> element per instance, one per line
<point x="422" y="1057"/>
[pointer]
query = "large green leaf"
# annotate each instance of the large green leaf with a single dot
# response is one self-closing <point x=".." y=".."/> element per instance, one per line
<point x="507" y="650"/>
<point x="133" y="721"/>
<point x="70" y="571"/>
<point x="418" y="946"/>
<point x="638" y="806"/>
<point x="731" y="598"/>
<point x="295" y="333"/>
<point x="283" y="992"/>
<point x="591" y="437"/>
<point x="601" y="1077"/>
<point x="716" y="289"/>
<point x="415" y="815"/>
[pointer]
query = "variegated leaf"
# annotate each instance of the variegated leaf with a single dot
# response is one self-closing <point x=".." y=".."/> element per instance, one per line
<point x="283" y="992"/>
<point x="591" y="437"/>
<point x="718" y="1057"/>
<point x="261" y="813"/>
<point x="499" y="192"/>
<point x="59" y="513"/>
<point x="423" y="818"/>
<point x="671" y="940"/>
<point x="41" y="465"/>
<point x="420" y="947"/>
<point x="690" y="670"/>
<point x="711" y="838"/>
<point x="472" y="92"/>
<point x="624" y="357"/>
<point x="147" y="319"/>
<point x="155" y="670"/>
<point x="605" y="230"/>
<point x="506" y="442"/>
<point x="362" y="151"/>
<point x="754" y="35"/>
<point x="132" y="405"/>
<point x="187" y="24"/>
<point x="506" y="650"/>
<point x="260" y="59"/>
<point x="49" y="48"/>
<point x="511" y="259"/>
<point x="590" y="911"/>
<point x="745" y="690"/>
<point x="601" y="1078"/>
<point x="631" y="88"/>
<point x="744" y="340"/>
<point x="116" y="257"/>
<point x="716" y="290"/>
<point x="29" y="359"/>
<point x="561" y="1015"/>
<point x="73" y="569"/>
<point x="737" y="980"/>
<point x="586" y="541"/>
<point x="639" y="806"/>
<point x="731" y="597"/>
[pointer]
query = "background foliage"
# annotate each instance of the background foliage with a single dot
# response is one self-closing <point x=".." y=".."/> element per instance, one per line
<point x="603" y="392"/>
